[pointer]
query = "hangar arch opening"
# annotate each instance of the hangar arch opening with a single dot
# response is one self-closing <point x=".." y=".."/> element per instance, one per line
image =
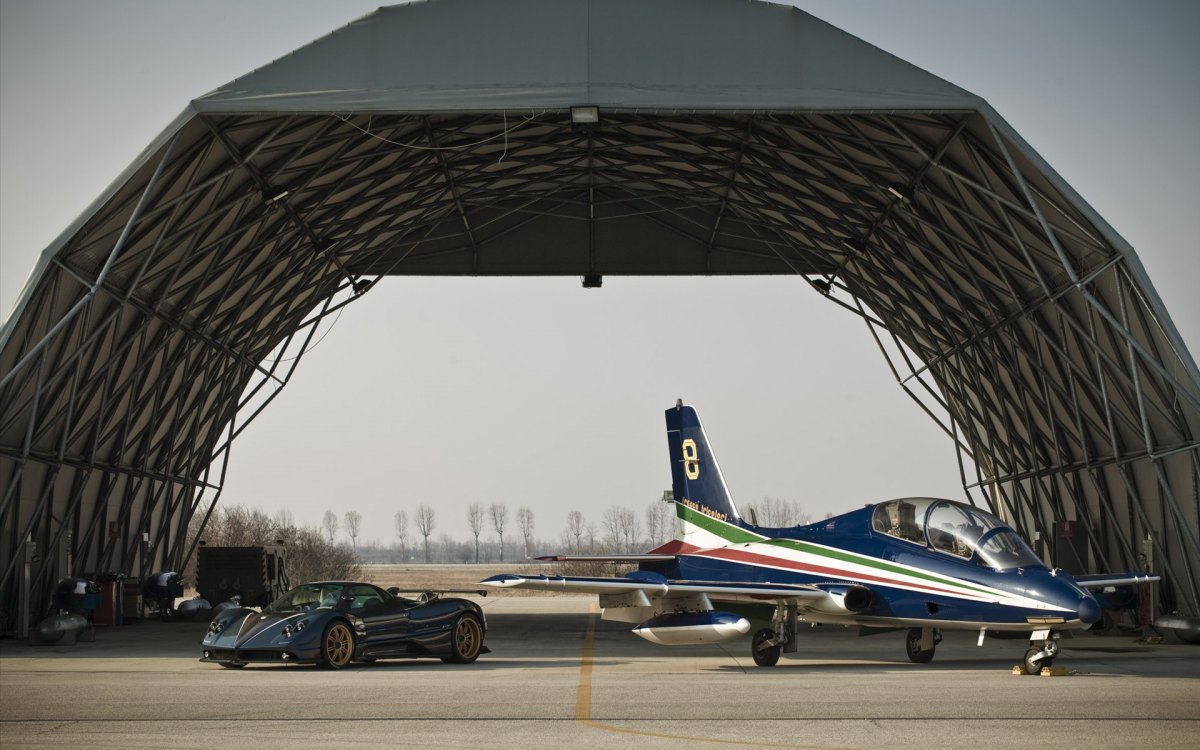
<point x="557" y="391"/>
<point x="165" y="311"/>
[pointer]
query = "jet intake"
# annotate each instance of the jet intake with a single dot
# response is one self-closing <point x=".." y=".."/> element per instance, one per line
<point x="692" y="628"/>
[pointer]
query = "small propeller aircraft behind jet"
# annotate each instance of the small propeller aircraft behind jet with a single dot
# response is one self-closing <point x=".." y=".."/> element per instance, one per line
<point x="920" y="564"/>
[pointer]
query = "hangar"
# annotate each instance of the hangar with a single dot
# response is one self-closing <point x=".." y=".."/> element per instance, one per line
<point x="614" y="137"/>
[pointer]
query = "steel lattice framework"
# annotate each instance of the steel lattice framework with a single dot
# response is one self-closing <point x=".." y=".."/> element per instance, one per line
<point x="163" y="323"/>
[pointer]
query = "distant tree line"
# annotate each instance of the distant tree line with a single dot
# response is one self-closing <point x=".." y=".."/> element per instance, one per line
<point x="776" y="513"/>
<point x="333" y="551"/>
<point x="618" y="530"/>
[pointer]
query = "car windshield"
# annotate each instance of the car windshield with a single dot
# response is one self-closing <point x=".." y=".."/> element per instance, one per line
<point x="306" y="597"/>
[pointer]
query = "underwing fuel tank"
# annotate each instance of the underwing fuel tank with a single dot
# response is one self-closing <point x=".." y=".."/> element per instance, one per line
<point x="692" y="628"/>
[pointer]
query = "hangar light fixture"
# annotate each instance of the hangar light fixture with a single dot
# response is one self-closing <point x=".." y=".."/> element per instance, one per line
<point x="585" y="116"/>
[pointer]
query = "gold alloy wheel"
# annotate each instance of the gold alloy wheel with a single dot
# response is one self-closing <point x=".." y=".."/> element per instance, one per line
<point x="468" y="639"/>
<point x="337" y="646"/>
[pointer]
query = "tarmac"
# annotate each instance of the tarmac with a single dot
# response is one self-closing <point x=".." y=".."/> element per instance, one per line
<point x="558" y="676"/>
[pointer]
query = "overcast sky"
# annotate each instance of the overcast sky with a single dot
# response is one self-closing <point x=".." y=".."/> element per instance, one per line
<point x="537" y="392"/>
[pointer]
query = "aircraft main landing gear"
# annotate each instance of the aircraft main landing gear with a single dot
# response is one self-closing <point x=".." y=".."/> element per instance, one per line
<point x="1040" y="654"/>
<point x="766" y="648"/>
<point x="920" y="643"/>
<point x="769" y="643"/>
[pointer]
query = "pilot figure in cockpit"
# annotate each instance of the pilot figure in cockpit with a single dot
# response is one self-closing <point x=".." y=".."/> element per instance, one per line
<point x="902" y="521"/>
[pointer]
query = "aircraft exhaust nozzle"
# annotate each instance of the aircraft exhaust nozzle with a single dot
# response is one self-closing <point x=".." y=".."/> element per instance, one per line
<point x="857" y="599"/>
<point x="692" y="628"/>
<point x="844" y="600"/>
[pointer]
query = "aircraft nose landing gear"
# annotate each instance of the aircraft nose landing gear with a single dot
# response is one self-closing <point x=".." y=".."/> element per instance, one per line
<point x="921" y="643"/>
<point x="1042" y="650"/>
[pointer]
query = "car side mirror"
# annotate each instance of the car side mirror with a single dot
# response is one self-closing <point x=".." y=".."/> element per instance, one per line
<point x="394" y="591"/>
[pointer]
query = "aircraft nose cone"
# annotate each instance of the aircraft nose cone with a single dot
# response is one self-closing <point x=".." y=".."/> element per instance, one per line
<point x="1089" y="611"/>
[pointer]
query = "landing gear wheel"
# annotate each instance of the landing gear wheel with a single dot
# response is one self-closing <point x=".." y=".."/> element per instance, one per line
<point x="466" y="641"/>
<point x="912" y="644"/>
<point x="1033" y="665"/>
<point x="764" y="655"/>
<point x="337" y="646"/>
<point x="232" y="664"/>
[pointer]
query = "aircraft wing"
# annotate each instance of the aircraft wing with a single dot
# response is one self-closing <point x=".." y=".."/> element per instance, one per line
<point x="660" y="587"/>
<point x="1104" y="580"/>
<point x="606" y="558"/>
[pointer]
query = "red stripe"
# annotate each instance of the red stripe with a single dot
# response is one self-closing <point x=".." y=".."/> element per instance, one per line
<point x="737" y="555"/>
<point x="674" y="547"/>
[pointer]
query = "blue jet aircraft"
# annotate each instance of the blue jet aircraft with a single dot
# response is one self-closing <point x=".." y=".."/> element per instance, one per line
<point x="920" y="564"/>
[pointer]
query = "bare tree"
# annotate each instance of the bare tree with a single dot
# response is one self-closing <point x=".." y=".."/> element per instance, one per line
<point x="525" y="524"/>
<point x="611" y="521"/>
<point x="765" y="512"/>
<point x="574" y="531"/>
<point x="240" y="527"/>
<point x="631" y="529"/>
<point x="330" y="524"/>
<point x="451" y="551"/>
<point x="660" y="522"/>
<point x="284" y="519"/>
<point x="353" y="524"/>
<point x="424" y="520"/>
<point x="402" y="532"/>
<point x="780" y="513"/>
<point x="652" y="524"/>
<point x="475" y="521"/>
<point x="801" y="518"/>
<point x="499" y="515"/>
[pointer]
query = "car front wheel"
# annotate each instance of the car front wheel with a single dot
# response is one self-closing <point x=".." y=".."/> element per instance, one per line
<point x="337" y="646"/>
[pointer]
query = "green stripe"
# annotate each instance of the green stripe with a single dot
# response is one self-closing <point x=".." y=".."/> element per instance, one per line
<point x="873" y="562"/>
<point x="732" y="534"/>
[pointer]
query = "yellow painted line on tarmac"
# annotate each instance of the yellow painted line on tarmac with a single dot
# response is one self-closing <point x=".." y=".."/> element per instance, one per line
<point x="583" y="696"/>
<point x="583" y="701"/>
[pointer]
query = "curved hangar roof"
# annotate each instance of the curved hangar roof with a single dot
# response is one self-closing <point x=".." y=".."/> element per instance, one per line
<point x="453" y="137"/>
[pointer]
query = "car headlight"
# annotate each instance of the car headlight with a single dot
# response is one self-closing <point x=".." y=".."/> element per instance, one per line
<point x="215" y="627"/>
<point x="292" y="628"/>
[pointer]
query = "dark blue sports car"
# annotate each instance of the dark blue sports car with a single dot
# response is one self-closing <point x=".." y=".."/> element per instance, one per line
<point x="333" y="623"/>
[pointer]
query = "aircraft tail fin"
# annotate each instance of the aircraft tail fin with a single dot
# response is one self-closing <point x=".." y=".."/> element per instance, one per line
<point x="702" y="502"/>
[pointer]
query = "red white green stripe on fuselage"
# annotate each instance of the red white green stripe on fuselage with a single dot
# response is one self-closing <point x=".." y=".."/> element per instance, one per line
<point x="765" y="559"/>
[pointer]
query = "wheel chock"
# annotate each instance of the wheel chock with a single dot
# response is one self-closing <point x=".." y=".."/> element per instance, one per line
<point x="1046" y="671"/>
